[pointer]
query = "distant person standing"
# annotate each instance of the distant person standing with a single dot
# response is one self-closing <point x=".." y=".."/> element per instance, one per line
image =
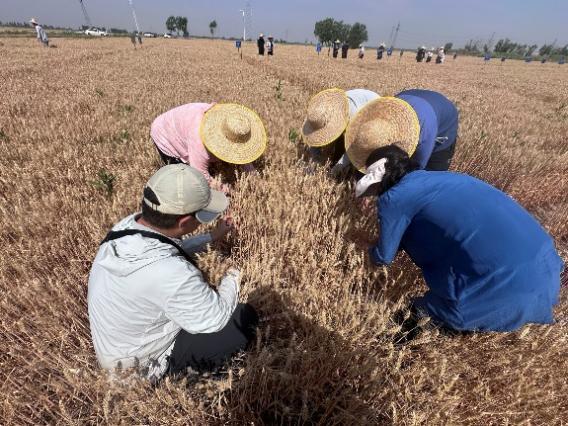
<point x="260" y="44"/>
<point x="441" y="56"/>
<point x="336" y="46"/>
<point x="318" y="47"/>
<point x="133" y="39"/>
<point x="389" y="51"/>
<point x="429" y="55"/>
<point x="420" y="54"/>
<point x="380" y="51"/>
<point x="361" y="51"/>
<point x="270" y="46"/>
<point x="41" y="34"/>
<point x="344" y="50"/>
<point x="401" y="53"/>
<point x="455" y="56"/>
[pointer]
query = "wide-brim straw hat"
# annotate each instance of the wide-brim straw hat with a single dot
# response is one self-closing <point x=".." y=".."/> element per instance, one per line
<point x="326" y="118"/>
<point x="233" y="133"/>
<point x="381" y="122"/>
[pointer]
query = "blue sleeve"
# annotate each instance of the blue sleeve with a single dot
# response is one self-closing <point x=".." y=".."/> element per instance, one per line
<point x="393" y="221"/>
<point x="428" y="127"/>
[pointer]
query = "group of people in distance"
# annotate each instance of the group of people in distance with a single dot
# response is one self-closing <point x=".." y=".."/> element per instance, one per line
<point x="344" y="47"/>
<point x="421" y="53"/>
<point x="488" y="264"/>
<point x="263" y="45"/>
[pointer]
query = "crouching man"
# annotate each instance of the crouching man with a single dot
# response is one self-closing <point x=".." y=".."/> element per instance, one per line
<point x="149" y="306"/>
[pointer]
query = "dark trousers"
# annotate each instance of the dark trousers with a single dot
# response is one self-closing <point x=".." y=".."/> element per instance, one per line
<point x="210" y="351"/>
<point x="166" y="158"/>
<point x="440" y="161"/>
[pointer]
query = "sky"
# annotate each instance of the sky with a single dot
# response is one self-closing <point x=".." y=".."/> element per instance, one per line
<point x="429" y="22"/>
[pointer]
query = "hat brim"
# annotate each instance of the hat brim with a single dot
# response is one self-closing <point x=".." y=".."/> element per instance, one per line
<point x="336" y="100"/>
<point x="399" y="124"/>
<point x="217" y="205"/>
<point x="220" y="146"/>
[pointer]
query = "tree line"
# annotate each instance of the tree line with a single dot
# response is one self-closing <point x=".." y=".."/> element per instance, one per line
<point x="328" y="30"/>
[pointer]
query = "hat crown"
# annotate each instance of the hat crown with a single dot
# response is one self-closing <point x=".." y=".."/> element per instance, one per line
<point x="370" y="132"/>
<point x="237" y="128"/>
<point x="317" y="115"/>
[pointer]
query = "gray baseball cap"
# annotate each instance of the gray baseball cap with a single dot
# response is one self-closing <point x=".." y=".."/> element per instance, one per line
<point x="181" y="189"/>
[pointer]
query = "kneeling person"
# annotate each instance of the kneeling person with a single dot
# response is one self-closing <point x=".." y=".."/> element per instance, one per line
<point x="149" y="305"/>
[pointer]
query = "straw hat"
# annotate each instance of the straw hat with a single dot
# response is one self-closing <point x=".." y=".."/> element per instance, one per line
<point x="381" y="122"/>
<point x="33" y="21"/>
<point x="326" y="118"/>
<point x="233" y="133"/>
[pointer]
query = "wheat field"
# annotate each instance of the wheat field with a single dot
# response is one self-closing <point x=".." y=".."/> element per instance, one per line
<point x="75" y="154"/>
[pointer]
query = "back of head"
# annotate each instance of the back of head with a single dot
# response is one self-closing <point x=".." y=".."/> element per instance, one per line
<point x="398" y="164"/>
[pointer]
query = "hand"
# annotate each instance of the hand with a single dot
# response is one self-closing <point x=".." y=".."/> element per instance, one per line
<point x="223" y="227"/>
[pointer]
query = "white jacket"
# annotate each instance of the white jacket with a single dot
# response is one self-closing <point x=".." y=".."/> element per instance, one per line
<point x="142" y="293"/>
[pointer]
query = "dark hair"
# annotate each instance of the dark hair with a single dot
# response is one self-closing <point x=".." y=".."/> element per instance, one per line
<point x="154" y="217"/>
<point x="398" y="165"/>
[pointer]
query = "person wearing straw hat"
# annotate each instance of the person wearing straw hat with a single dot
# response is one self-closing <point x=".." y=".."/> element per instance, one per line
<point x="40" y="32"/>
<point x="488" y="264"/>
<point x="381" y="51"/>
<point x="149" y="306"/>
<point x="327" y="117"/>
<point x="270" y="46"/>
<point x="420" y="54"/>
<point x="422" y="122"/>
<point x="200" y="134"/>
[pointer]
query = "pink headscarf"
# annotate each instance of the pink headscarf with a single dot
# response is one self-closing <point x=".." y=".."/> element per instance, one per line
<point x="176" y="133"/>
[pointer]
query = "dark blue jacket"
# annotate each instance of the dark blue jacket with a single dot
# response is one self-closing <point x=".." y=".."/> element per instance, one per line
<point x="438" y="118"/>
<point x="488" y="263"/>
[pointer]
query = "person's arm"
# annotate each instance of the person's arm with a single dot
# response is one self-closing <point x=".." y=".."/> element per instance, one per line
<point x="393" y="221"/>
<point x="198" y="243"/>
<point x="198" y="308"/>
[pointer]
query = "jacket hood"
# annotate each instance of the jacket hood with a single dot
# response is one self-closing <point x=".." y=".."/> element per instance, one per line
<point x="126" y="255"/>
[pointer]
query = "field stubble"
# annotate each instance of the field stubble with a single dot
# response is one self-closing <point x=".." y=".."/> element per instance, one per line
<point x="325" y="353"/>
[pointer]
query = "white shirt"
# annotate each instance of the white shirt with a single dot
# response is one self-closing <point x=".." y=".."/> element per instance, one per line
<point x="142" y="293"/>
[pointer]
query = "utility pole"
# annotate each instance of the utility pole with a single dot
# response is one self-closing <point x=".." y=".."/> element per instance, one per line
<point x="244" y="25"/>
<point x="390" y="36"/>
<point x="85" y="14"/>
<point x="395" y="35"/>
<point x="134" y="15"/>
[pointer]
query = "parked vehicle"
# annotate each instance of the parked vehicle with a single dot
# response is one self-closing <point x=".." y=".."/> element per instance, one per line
<point x="166" y="35"/>
<point x="96" y="32"/>
<point x="150" y="35"/>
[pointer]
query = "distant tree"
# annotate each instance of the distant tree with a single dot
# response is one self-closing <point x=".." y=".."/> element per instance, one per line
<point x="545" y="49"/>
<point x="325" y="31"/>
<point x="357" y="35"/>
<point x="342" y="31"/>
<point x="564" y="50"/>
<point x="472" y="46"/>
<point x="531" y="49"/>
<point x="183" y="23"/>
<point x="171" y="24"/>
<point x="212" y="27"/>
<point x="448" y="47"/>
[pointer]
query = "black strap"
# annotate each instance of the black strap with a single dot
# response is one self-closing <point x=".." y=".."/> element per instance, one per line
<point x="113" y="235"/>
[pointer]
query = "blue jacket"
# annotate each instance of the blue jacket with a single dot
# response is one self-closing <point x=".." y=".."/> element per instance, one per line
<point x="487" y="262"/>
<point x="438" y="119"/>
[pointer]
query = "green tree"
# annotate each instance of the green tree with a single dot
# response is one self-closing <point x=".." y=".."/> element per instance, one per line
<point x="545" y="49"/>
<point x="325" y="31"/>
<point x="171" y="24"/>
<point x="357" y="35"/>
<point x="212" y="27"/>
<point x="531" y="49"/>
<point x="448" y="46"/>
<point x="342" y="31"/>
<point x="181" y="25"/>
